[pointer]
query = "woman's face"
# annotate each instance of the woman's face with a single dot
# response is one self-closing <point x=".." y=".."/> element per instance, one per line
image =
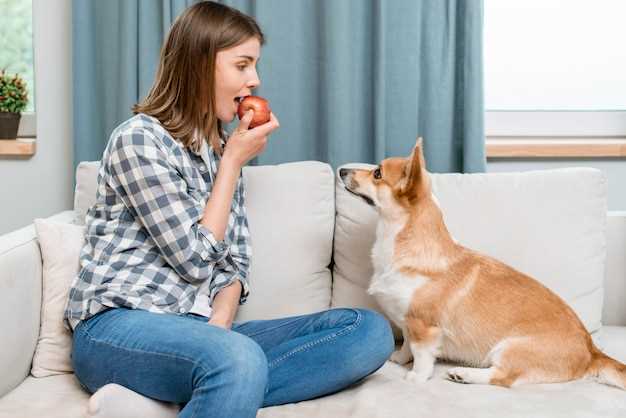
<point x="235" y="77"/>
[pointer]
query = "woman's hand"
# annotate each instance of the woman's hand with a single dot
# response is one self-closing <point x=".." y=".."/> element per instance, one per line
<point x="225" y="305"/>
<point x="245" y="144"/>
<point x="222" y="322"/>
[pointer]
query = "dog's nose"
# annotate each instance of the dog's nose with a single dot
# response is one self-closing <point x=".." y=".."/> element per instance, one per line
<point x="343" y="172"/>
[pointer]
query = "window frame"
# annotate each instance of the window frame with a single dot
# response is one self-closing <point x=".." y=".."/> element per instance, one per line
<point x="567" y="124"/>
<point x="555" y="134"/>
<point x="28" y="125"/>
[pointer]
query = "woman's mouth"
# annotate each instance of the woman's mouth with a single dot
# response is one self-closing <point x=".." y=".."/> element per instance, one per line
<point x="237" y="101"/>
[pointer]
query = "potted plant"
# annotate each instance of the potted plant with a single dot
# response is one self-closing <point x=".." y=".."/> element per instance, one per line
<point x="13" y="100"/>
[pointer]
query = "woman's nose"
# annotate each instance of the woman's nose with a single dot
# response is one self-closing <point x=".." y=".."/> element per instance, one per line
<point x="255" y="81"/>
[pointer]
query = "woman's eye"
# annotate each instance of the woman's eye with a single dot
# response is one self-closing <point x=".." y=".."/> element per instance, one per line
<point x="377" y="173"/>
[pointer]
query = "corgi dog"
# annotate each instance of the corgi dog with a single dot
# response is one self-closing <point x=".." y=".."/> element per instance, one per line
<point x="456" y="304"/>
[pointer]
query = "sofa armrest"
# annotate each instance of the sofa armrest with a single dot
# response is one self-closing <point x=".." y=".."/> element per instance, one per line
<point x="20" y="301"/>
<point x="614" y="312"/>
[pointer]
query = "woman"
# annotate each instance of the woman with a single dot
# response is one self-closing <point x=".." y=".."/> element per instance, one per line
<point x="168" y="250"/>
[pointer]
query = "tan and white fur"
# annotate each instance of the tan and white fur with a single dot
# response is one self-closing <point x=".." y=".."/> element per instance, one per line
<point x="454" y="303"/>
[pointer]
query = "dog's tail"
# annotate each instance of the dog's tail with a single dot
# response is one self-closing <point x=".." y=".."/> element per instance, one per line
<point x="606" y="370"/>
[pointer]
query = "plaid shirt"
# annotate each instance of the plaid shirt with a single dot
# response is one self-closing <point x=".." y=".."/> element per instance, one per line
<point x="145" y="247"/>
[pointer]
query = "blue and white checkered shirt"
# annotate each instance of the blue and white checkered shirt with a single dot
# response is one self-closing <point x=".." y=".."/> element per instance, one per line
<point x="145" y="247"/>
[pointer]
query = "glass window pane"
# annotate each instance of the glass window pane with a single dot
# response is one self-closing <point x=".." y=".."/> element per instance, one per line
<point x="16" y="43"/>
<point x="555" y="55"/>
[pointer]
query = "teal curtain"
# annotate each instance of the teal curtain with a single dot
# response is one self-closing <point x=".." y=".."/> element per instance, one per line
<point x="350" y="80"/>
<point x="116" y="46"/>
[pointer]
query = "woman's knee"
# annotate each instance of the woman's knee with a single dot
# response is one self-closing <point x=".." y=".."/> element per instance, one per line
<point x="244" y="365"/>
<point x="249" y="363"/>
<point x="377" y="335"/>
<point x="365" y="345"/>
<point x="372" y="329"/>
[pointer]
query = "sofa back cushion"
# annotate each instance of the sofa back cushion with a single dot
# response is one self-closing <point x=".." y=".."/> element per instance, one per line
<point x="20" y="300"/>
<point x="549" y="224"/>
<point x="291" y="215"/>
<point x="85" y="190"/>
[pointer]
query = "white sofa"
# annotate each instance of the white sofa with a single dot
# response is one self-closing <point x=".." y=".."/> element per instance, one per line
<point x="311" y="243"/>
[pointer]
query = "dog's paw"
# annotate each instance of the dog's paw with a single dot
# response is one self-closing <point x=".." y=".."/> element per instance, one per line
<point x="457" y="375"/>
<point x="417" y="377"/>
<point x="400" y="357"/>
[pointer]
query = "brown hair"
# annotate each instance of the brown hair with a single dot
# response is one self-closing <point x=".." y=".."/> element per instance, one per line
<point x="182" y="97"/>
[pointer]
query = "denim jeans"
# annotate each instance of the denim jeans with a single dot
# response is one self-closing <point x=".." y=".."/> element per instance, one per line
<point x="216" y="372"/>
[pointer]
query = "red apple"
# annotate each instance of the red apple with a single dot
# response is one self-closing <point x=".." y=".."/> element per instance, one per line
<point x="259" y="105"/>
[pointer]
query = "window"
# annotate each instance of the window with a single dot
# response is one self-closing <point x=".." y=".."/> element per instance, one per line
<point x="16" y="52"/>
<point x="555" y="68"/>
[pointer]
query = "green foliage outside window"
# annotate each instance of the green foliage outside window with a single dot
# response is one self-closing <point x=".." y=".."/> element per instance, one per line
<point x="13" y="95"/>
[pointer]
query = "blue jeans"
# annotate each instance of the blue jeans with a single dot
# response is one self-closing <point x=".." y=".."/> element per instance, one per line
<point x="229" y="373"/>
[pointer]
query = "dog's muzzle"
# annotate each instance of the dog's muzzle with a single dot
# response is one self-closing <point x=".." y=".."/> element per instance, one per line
<point x="348" y="183"/>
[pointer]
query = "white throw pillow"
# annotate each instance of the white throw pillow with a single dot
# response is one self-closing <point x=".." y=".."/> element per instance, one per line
<point x="60" y="245"/>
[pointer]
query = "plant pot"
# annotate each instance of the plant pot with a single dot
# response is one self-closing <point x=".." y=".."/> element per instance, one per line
<point x="9" y="122"/>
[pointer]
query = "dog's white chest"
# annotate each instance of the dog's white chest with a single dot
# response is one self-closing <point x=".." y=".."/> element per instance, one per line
<point x="394" y="293"/>
<point x="392" y="290"/>
<point x="382" y="251"/>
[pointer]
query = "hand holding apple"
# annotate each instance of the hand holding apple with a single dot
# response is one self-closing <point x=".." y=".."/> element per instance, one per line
<point x="244" y="143"/>
<point x="259" y="106"/>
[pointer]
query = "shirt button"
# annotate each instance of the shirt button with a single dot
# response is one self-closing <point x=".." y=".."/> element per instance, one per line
<point x="181" y="310"/>
<point x="202" y="167"/>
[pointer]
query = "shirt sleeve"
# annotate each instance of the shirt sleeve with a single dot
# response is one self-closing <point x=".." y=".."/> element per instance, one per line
<point x="158" y="196"/>
<point x="237" y="263"/>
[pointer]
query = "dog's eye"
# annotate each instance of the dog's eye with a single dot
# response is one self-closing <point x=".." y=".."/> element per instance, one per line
<point x="377" y="174"/>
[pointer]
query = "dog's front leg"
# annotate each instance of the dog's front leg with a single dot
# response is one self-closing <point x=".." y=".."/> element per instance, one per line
<point x="403" y="355"/>
<point x="425" y="344"/>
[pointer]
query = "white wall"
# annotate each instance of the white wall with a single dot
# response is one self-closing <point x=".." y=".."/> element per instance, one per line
<point x="41" y="186"/>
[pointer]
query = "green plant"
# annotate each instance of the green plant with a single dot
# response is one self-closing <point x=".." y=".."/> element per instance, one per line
<point x="13" y="94"/>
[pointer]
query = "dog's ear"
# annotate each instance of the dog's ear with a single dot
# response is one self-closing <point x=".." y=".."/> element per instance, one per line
<point x="415" y="175"/>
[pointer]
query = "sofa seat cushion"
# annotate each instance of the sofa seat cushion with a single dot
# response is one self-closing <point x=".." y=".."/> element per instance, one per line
<point x="386" y="394"/>
<point x="381" y="395"/>
<point x="58" y="396"/>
